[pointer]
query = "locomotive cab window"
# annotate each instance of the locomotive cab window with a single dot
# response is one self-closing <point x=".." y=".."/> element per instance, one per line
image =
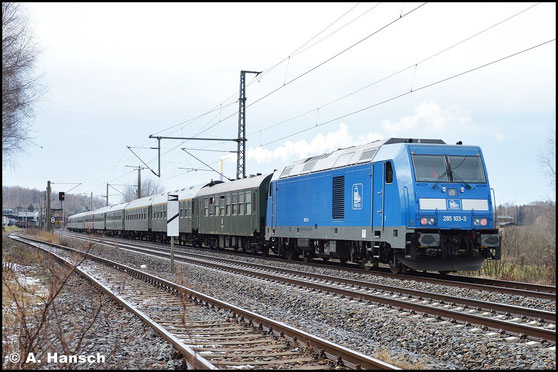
<point x="389" y="173"/>
<point x="430" y="168"/>
<point x="448" y="168"/>
<point x="466" y="169"/>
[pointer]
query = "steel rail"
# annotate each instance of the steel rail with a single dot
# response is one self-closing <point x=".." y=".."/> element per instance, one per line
<point x="495" y="324"/>
<point x="518" y="310"/>
<point x="359" y="360"/>
<point x="194" y="360"/>
<point x="485" y="284"/>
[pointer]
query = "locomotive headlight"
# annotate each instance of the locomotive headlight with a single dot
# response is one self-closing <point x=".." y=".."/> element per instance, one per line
<point x="443" y="188"/>
<point x="431" y="221"/>
<point x="462" y="189"/>
<point x="480" y="221"/>
<point x="423" y="221"/>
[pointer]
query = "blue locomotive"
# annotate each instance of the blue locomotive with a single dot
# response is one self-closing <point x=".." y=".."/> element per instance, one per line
<point x="411" y="203"/>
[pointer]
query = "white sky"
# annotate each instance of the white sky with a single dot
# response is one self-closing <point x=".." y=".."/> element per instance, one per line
<point x="116" y="73"/>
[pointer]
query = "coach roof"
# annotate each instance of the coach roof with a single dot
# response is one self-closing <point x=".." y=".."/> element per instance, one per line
<point x="241" y="184"/>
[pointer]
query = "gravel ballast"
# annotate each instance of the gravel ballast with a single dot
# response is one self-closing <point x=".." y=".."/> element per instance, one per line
<point x="419" y="341"/>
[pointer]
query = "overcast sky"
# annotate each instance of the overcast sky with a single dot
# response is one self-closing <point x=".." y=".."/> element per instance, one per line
<point x="117" y="73"/>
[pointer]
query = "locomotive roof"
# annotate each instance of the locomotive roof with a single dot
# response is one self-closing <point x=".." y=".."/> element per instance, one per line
<point x="344" y="157"/>
<point x="241" y="184"/>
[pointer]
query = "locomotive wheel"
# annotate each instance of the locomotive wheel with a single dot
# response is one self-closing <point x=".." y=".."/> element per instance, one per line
<point x="443" y="272"/>
<point x="325" y="259"/>
<point x="344" y="260"/>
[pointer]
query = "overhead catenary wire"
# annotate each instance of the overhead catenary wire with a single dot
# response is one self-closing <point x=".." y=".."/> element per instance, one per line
<point x="334" y="32"/>
<point x="223" y="104"/>
<point x="414" y="65"/>
<point x="318" y="65"/>
<point x="410" y="92"/>
<point x="221" y="107"/>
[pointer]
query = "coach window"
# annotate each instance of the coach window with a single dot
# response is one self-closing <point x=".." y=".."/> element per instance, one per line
<point x="222" y="205"/>
<point x="228" y="204"/>
<point x="241" y="204"/>
<point x="234" y="203"/>
<point x="211" y="206"/>
<point x="389" y="172"/>
<point x="248" y="202"/>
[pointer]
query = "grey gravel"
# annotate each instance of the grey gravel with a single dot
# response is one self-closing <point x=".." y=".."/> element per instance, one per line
<point x="124" y="340"/>
<point x="367" y="328"/>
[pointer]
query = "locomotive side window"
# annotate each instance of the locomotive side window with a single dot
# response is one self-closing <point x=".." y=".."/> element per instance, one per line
<point x="389" y="173"/>
<point x="228" y="204"/>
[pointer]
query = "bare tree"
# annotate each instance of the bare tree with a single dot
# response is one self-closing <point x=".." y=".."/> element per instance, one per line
<point x="547" y="158"/>
<point x="20" y="88"/>
<point x="148" y="188"/>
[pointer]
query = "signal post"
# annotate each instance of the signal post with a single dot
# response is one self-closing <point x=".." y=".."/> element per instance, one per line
<point x="172" y="224"/>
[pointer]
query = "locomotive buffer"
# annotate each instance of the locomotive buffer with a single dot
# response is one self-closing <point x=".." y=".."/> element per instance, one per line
<point x="172" y="223"/>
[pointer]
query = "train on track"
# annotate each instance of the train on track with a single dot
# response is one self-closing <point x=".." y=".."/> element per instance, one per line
<point x="415" y="204"/>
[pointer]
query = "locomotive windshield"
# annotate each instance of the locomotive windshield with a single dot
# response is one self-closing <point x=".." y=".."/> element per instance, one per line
<point x="450" y="168"/>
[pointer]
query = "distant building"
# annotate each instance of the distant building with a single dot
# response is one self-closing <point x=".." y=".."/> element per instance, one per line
<point x="9" y="212"/>
<point x="505" y="221"/>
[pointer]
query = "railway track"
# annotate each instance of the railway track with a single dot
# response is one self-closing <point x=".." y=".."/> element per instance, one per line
<point x="537" y="324"/>
<point x="484" y="284"/>
<point x="211" y="334"/>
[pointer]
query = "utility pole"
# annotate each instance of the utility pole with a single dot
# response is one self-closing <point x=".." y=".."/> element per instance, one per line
<point x="139" y="168"/>
<point x="139" y="182"/>
<point x="240" y="140"/>
<point x="48" y="223"/>
<point x="241" y="145"/>
<point x="41" y="210"/>
<point x="107" y="194"/>
<point x="91" y="202"/>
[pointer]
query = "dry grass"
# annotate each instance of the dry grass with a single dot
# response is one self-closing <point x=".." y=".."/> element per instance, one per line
<point x="404" y="363"/>
<point x="41" y="235"/>
<point x="528" y="255"/>
<point x="507" y="269"/>
<point x="10" y="229"/>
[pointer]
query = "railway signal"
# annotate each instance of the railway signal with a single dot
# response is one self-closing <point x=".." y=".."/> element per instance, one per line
<point x="61" y="196"/>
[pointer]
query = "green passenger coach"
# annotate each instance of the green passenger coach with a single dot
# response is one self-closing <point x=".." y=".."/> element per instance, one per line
<point x="232" y="214"/>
